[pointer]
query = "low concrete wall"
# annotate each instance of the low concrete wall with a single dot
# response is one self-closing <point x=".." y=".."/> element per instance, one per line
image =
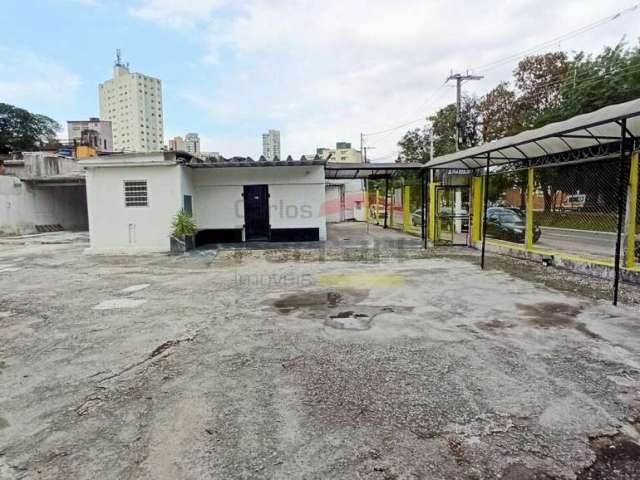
<point x="42" y="165"/>
<point x="22" y="206"/>
<point x="595" y="269"/>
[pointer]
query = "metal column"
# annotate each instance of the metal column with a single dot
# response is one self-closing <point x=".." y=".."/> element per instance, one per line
<point x="423" y="208"/>
<point x="622" y="200"/>
<point x="484" y="209"/>
<point x="386" y="199"/>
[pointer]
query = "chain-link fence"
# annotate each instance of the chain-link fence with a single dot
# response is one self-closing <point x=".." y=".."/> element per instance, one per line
<point x="575" y="209"/>
<point x="507" y="207"/>
<point x="570" y="211"/>
<point x="403" y="204"/>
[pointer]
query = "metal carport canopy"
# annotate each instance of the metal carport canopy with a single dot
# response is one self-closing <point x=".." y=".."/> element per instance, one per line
<point x="591" y="129"/>
<point x="350" y="171"/>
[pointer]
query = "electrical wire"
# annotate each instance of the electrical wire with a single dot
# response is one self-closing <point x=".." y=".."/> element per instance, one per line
<point x="424" y="104"/>
<point x="492" y="65"/>
<point x="574" y="33"/>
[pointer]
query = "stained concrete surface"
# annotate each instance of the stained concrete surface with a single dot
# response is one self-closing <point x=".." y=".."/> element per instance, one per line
<point x="235" y="366"/>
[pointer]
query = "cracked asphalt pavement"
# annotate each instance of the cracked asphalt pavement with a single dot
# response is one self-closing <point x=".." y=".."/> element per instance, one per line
<point x="245" y="365"/>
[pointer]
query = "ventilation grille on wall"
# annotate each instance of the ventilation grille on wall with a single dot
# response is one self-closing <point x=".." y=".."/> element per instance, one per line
<point x="135" y="193"/>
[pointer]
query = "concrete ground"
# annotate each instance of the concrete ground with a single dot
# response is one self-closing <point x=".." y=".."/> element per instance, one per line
<point x="290" y="364"/>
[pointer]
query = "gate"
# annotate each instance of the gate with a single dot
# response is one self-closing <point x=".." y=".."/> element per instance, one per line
<point x="452" y="215"/>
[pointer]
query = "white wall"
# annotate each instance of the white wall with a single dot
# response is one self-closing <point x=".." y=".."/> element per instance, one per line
<point x="116" y="228"/>
<point x="296" y="196"/>
<point x="22" y="207"/>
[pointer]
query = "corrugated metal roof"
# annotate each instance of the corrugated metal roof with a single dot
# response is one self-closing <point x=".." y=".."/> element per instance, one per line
<point x="249" y="162"/>
<point x="582" y="131"/>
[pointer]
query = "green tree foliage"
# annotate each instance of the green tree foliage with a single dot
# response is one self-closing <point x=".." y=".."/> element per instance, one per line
<point x="415" y="145"/>
<point x="499" y="110"/>
<point x="23" y="130"/>
<point x="547" y="88"/>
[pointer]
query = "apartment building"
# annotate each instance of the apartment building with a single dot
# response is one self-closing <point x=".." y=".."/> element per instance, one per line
<point x="132" y="102"/>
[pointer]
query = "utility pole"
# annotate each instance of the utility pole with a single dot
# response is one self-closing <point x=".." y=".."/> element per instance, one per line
<point x="459" y="78"/>
<point x="362" y="154"/>
<point x="432" y="149"/>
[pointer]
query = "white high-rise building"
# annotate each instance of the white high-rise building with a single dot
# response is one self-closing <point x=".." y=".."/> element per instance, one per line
<point x="271" y="144"/>
<point x="133" y="104"/>
<point x="192" y="143"/>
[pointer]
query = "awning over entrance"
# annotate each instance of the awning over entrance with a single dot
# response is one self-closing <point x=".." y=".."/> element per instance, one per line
<point x="601" y="128"/>
<point x="350" y="171"/>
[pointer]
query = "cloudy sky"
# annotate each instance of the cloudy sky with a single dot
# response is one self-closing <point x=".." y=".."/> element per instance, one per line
<point x="319" y="71"/>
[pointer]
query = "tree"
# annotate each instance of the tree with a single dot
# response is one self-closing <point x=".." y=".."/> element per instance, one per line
<point x="539" y="80"/>
<point x="415" y="145"/>
<point x="23" y="130"/>
<point x="499" y="113"/>
<point x="444" y="126"/>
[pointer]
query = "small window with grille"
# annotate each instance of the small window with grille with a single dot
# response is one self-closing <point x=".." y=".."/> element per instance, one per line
<point x="135" y="193"/>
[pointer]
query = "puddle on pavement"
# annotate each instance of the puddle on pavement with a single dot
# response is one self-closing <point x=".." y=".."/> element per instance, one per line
<point x="550" y="314"/>
<point x="340" y="310"/>
<point x="318" y="302"/>
<point x="3" y="423"/>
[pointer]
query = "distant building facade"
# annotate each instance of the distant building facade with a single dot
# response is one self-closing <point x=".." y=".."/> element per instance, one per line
<point x="176" y="144"/>
<point x="343" y="153"/>
<point x="192" y="143"/>
<point x="132" y="102"/>
<point x="271" y="144"/>
<point x="94" y="132"/>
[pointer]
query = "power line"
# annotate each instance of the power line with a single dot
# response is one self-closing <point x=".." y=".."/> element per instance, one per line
<point x="492" y="65"/>
<point x="574" y="33"/>
<point x="424" y="104"/>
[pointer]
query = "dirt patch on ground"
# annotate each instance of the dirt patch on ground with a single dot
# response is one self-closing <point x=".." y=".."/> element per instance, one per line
<point x="519" y="471"/>
<point x="617" y="458"/>
<point x="551" y="314"/>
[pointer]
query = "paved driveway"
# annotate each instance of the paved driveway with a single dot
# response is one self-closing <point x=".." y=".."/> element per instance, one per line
<point x="251" y="365"/>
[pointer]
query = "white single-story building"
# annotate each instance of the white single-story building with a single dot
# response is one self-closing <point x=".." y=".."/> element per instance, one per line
<point x="133" y="198"/>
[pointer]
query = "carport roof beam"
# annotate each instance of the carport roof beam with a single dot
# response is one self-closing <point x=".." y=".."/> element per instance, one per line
<point x="580" y="132"/>
<point x="352" y="171"/>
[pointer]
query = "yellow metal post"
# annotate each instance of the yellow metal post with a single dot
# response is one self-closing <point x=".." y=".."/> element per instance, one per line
<point x="632" y="211"/>
<point x="476" y="225"/>
<point x="392" y="206"/>
<point x="530" y="192"/>
<point x="406" y="208"/>
<point x="367" y="214"/>
<point x="432" y="211"/>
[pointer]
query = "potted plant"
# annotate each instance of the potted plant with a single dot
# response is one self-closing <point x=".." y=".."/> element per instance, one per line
<point x="182" y="233"/>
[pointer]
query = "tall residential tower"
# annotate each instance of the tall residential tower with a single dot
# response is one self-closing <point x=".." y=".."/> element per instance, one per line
<point x="133" y="104"/>
<point x="271" y="144"/>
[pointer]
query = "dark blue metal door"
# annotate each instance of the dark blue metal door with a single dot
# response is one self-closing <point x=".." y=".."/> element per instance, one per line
<point x="256" y="212"/>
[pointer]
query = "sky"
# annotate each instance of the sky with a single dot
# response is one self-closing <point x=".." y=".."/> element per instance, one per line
<point x="318" y="71"/>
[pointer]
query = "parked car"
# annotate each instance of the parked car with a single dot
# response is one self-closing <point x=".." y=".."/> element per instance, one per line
<point x="446" y="212"/>
<point x="509" y="224"/>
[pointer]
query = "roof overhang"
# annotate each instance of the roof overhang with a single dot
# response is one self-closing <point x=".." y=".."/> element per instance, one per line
<point x="351" y="171"/>
<point x="596" y="129"/>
